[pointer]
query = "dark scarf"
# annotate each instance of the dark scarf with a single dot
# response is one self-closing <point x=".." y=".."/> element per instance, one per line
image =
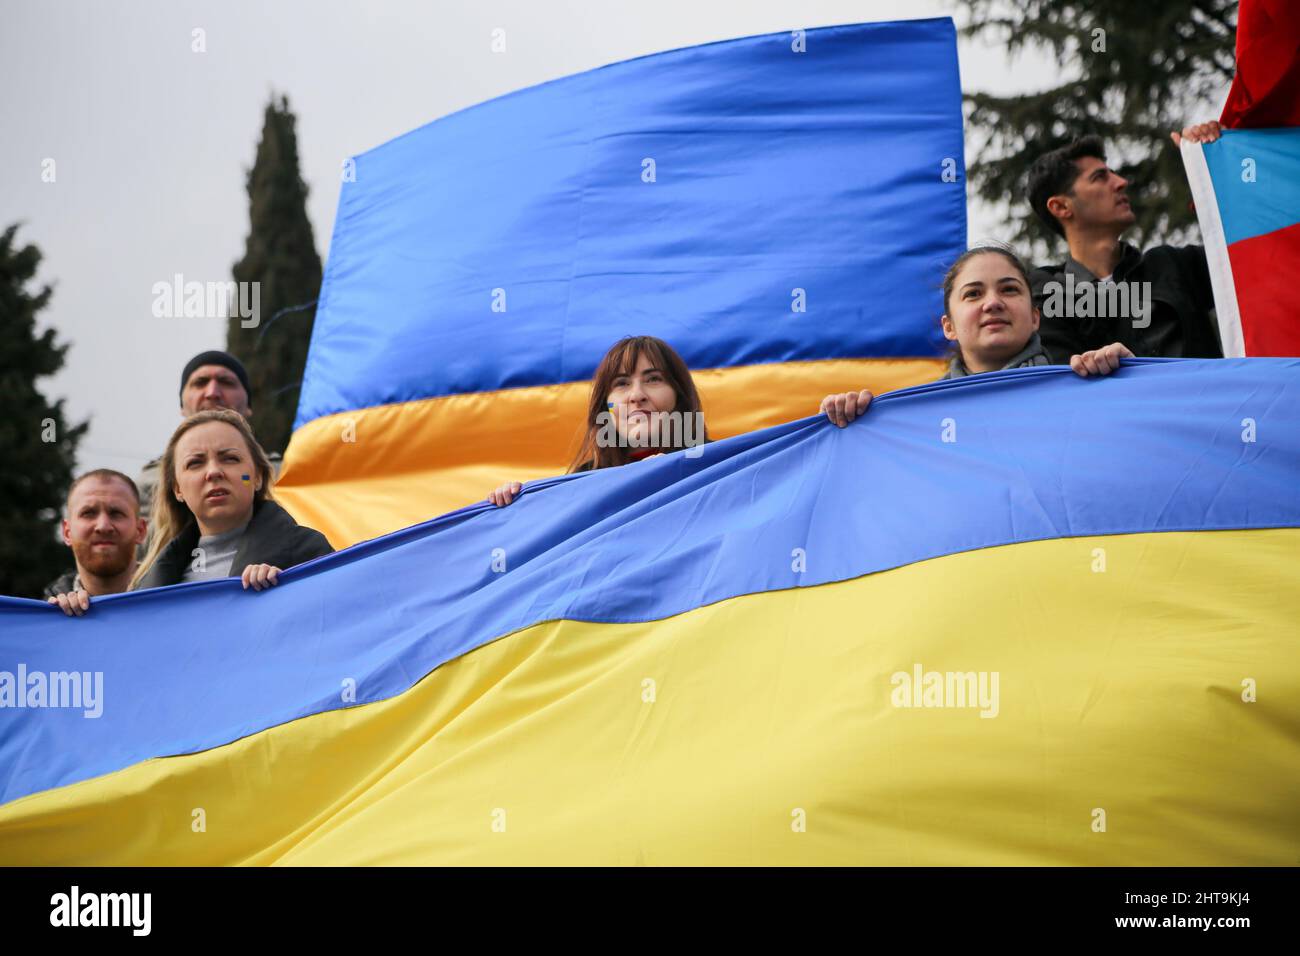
<point x="1032" y="354"/>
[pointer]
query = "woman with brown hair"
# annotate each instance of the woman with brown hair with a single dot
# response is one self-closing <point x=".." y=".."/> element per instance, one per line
<point x="213" y="514"/>
<point x="643" y="403"/>
<point x="990" y="317"/>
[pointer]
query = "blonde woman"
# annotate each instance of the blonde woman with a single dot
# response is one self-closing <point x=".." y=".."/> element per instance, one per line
<point x="213" y="514"/>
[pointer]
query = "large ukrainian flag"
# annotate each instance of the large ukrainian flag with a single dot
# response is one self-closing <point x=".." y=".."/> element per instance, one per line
<point x="779" y="208"/>
<point x="1017" y="618"/>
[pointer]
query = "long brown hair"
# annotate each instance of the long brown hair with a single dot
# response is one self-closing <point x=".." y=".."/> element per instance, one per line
<point x="622" y="359"/>
<point x="170" y="517"/>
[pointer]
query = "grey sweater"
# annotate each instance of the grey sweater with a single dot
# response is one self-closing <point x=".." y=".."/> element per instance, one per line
<point x="272" y="537"/>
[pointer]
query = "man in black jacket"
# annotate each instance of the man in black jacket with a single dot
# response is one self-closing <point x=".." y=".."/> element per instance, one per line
<point x="1157" y="302"/>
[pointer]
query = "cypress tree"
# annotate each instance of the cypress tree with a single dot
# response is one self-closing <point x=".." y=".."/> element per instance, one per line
<point x="1129" y="72"/>
<point x="281" y="256"/>
<point x="40" y="446"/>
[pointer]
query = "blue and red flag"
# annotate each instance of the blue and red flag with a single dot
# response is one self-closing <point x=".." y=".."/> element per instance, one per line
<point x="1247" y="192"/>
<point x="1247" y="187"/>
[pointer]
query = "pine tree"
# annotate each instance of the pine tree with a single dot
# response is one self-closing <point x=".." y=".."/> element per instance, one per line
<point x="40" y="446"/>
<point x="281" y="256"/>
<point x="1130" y="73"/>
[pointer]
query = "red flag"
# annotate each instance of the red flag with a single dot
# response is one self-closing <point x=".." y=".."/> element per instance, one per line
<point x="1266" y="90"/>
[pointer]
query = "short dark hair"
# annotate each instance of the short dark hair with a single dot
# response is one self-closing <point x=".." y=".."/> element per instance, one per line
<point x="1054" y="173"/>
<point x="107" y="474"/>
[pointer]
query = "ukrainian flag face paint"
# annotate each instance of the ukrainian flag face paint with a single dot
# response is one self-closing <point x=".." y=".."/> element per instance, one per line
<point x="636" y="398"/>
<point x="214" y="476"/>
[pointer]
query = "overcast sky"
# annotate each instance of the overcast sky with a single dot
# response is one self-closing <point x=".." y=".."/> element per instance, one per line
<point x="151" y="141"/>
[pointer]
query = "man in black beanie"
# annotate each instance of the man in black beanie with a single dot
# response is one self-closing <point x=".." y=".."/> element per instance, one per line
<point x="212" y="379"/>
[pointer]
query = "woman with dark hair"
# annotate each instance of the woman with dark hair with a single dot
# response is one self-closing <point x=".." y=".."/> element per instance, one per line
<point x="990" y="317"/>
<point x="643" y="403"/>
<point x="213" y="514"/>
<point x="989" y="314"/>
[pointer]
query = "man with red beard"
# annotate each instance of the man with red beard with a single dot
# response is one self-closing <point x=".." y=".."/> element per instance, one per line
<point x="103" y="528"/>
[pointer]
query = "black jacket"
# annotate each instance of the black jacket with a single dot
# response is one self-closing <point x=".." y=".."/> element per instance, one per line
<point x="272" y="537"/>
<point x="64" y="584"/>
<point x="1182" y="317"/>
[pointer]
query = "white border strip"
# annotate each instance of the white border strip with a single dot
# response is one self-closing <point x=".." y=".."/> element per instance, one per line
<point x="1216" y="250"/>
